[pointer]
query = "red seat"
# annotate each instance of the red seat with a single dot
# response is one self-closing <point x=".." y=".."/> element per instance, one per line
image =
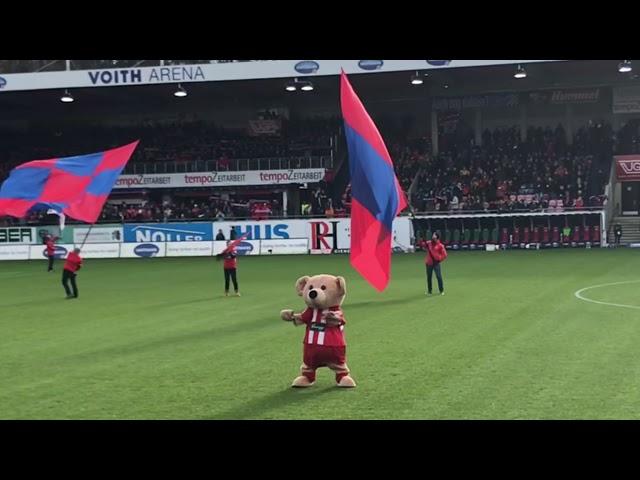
<point x="555" y="235"/>
<point x="504" y="236"/>
<point x="545" y="235"/>
<point x="586" y="234"/>
<point x="525" y="235"/>
<point x="596" y="234"/>
<point x="536" y="235"/>
<point x="575" y="237"/>
<point x="516" y="236"/>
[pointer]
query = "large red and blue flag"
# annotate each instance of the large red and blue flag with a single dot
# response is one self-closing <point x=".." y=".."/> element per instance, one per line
<point x="77" y="187"/>
<point x="376" y="193"/>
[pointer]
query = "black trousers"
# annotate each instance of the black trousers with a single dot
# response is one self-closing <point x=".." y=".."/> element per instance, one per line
<point x="230" y="273"/>
<point x="66" y="277"/>
<point x="51" y="258"/>
<point x="430" y="270"/>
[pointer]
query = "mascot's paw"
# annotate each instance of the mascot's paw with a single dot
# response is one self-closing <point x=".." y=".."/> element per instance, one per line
<point x="286" y="315"/>
<point x="333" y="322"/>
<point x="301" y="382"/>
<point x="346" y="382"/>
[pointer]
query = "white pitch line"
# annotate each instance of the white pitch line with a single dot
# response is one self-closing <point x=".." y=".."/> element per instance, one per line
<point x="578" y="295"/>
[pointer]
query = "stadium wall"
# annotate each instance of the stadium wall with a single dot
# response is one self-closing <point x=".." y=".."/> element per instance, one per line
<point x="282" y="236"/>
<point x="143" y="240"/>
<point x="475" y="231"/>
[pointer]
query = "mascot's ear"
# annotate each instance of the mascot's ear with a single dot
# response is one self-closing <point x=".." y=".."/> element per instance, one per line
<point x="342" y="285"/>
<point x="300" y="284"/>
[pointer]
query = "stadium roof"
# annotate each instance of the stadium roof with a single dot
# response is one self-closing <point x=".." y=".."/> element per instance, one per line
<point x="382" y="87"/>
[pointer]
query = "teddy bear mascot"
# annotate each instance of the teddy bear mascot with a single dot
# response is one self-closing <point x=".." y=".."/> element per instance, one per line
<point x="324" y="344"/>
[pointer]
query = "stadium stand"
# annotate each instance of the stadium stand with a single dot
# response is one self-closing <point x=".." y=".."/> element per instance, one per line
<point x="507" y="174"/>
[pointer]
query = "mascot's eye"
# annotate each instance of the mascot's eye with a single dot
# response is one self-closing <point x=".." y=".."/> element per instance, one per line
<point x="310" y="287"/>
<point x="323" y="287"/>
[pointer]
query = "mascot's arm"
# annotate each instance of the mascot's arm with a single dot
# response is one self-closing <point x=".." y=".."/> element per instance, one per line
<point x="296" y="318"/>
<point x="335" y="318"/>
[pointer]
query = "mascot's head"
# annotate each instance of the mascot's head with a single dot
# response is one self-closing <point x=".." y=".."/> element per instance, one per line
<point x="322" y="291"/>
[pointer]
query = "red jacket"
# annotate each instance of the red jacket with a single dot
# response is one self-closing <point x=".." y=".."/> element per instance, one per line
<point x="435" y="251"/>
<point x="73" y="262"/>
<point x="230" y="260"/>
<point x="51" y="245"/>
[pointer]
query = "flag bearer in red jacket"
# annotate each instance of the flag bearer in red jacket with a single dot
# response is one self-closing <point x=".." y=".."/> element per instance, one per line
<point x="50" y="242"/>
<point x="436" y="254"/>
<point x="71" y="267"/>
<point x="229" y="255"/>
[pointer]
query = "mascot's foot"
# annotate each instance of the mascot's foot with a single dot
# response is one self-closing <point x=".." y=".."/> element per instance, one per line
<point x="301" y="382"/>
<point x="346" y="382"/>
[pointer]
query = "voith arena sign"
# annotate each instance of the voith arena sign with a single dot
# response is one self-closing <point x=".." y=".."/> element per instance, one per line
<point x="215" y="72"/>
<point x="133" y="76"/>
<point x="628" y="167"/>
<point x="221" y="179"/>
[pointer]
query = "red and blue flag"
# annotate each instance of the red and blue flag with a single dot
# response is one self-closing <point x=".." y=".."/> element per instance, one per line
<point x="377" y="197"/>
<point x="77" y="186"/>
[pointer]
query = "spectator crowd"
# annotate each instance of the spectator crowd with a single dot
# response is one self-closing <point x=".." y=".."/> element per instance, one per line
<point x="507" y="174"/>
<point x="182" y="145"/>
<point x="504" y="173"/>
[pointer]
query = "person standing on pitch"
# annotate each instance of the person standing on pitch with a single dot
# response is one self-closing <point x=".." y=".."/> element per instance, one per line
<point x="436" y="254"/>
<point x="50" y="242"/>
<point x="229" y="256"/>
<point x="71" y="266"/>
<point x="617" y="230"/>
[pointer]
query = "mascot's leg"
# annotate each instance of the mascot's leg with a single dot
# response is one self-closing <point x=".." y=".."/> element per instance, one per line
<point x="339" y="366"/>
<point x="343" y="379"/>
<point x="307" y="377"/>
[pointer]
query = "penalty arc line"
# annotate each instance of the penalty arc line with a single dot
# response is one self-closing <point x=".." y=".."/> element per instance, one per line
<point x="578" y="294"/>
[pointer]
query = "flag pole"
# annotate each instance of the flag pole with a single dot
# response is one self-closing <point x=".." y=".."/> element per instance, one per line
<point x="86" y="236"/>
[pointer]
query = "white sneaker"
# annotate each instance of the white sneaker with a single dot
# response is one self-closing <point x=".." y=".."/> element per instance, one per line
<point x="441" y="293"/>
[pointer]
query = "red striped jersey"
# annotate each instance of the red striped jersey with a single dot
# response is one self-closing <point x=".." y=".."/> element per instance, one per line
<point x="318" y="332"/>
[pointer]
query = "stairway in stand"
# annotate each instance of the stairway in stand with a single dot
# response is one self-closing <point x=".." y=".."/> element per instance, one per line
<point x="630" y="229"/>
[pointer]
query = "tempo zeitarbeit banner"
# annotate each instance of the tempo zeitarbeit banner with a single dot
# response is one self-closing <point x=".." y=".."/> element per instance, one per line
<point x="221" y="179"/>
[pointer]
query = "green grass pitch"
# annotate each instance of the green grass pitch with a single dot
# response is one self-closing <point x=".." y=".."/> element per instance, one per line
<point x="156" y="339"/>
